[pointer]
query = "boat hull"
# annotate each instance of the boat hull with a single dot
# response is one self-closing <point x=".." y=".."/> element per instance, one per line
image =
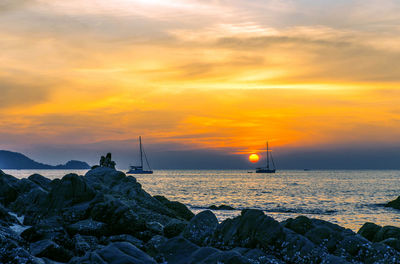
<point x="265" y="171"/>
<point x="139" y="172"/>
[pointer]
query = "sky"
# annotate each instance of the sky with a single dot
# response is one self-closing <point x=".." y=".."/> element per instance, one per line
<point x="205" y="83"/>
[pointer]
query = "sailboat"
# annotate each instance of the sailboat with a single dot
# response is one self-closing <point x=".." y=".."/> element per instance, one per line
<point x="267" y="169"/>
<point x="139" y="169"/>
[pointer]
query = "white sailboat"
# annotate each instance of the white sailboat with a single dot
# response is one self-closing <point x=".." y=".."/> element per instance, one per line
<point x="267" y="169"/>
<point x="139" y="169"/>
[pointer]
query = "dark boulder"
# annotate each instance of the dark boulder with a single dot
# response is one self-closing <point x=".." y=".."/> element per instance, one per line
<point x="49" y="249"/>
<point x="118" y="215"/>
<point x="251" y="229"/>
<point x="174" y="228"/>
<point x="88" y="227"/>
<point x="387" y="232"/>
<point x="127" y="238"/>
<point x="40" y="180"/>
<point x="369" y="231"/>
<point x="71" y="189"/>
<point x="221" y="207"/>
<point x="8" y="188"/>
<point x="104" y="178"/>
<point x="153" y="245"/>
<point x="176" y="250"/>
<point x="201" y="228"/>
<point x="300" y="224"/>
<point x="180" y="209"/>
<point x="201" y="254"/>
<point x="115" y="253"/>
<point x="394" y="204"/>
<point x="392" y="242"/>
<point x="226" y="257"/>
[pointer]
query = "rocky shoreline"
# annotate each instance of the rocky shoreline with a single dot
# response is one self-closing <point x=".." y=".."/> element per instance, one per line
<point x="106" y="217"/>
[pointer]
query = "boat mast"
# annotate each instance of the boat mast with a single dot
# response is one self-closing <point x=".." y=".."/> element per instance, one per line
<point x="267" y="156"/>
<point x="141" y="152"/>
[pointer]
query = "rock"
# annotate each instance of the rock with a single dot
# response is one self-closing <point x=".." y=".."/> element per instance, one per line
<point x="103" y="177"/>
<point x="118" y="215"/>
<point x="392" y="242"/>
<point x="107" y="161"/>
<point x="353" y="244"/>
<point x="8" y="188"/>
<point x="320" y="233"/>
<point x="201" y="228"/>
<point x="153" y="245"/>
<point x="228" y="257"/>
<point x="127" y="238"/>
<point x="71" y="189"/>
<point x="221" y="207"/>
<point x="202" y="253"/>
<point x="300" y="224"/>
<point x="176" y="250"/>
<point x="180" y="209"/>
<point x="155" y="227"/>
<point x="88" y="227"/>
<point x="119" y="252"/>
<point x="49" y="249"/>
<point x="251" y="229"/>
<point x="76" y="213"/>
<point x="5" y="218"/>
<point x="174" y="228"/>
<point x="40" y="180"/>
<point x="369" y="231"/>
<point x="258" y="256"/>
<point x="394" y="204"/>
<point x="387" y="232"/>
<point x="50" y="229"/>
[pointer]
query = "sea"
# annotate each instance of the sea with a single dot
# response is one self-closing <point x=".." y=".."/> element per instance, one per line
<point x="348" y="198"/>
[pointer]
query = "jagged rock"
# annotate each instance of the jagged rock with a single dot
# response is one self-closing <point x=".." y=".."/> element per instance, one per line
<point x="228" y="257"/>
<point x="119" y="252"/>
<point x="394" y="204"/>
<point x="174" y="228"/>
<point x="387" y="232"/>
<point x="180" y="209"/>
<point x="153" y="245"/>
<point x="5" y="218"/>
<point x="201" y="228"/>
<point x="176" y="250"/>
<point x="251" y="229"/>
<point x="40" y="180"/>
<point x="221" y="207"/>
<point x="49" y="249"/>
<point x="8" y="188"/>
<point x="127" y="238"/>
<point x="369" y="231"/>
<point x="118" y="215"/>
<point x="155" y="227"/>
<point x="76" y="212"/>
<point x="50" y="229"/>
<point x="202" y="253"/>
<point x="300" y="224"/>
<point x="392" y="242"/>
<point x="71" y="189"/>
<point x="88" y="227"/>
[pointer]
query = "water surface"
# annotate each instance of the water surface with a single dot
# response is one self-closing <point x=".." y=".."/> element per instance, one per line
<point x="348" y="198"/>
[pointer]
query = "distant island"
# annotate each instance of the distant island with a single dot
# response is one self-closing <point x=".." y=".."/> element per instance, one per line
<point x="16" y="161"/>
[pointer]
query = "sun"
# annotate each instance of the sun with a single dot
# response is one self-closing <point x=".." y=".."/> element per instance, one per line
<point x="254" y="158"/>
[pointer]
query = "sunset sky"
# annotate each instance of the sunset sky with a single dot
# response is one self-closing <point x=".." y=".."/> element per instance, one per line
<point x="216" y="78"/>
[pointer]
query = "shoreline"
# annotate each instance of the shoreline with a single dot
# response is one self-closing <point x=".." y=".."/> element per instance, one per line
<point x="80" y="218"/>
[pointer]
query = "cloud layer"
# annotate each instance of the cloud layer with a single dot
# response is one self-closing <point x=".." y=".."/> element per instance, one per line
<point x="215" y="75"/>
